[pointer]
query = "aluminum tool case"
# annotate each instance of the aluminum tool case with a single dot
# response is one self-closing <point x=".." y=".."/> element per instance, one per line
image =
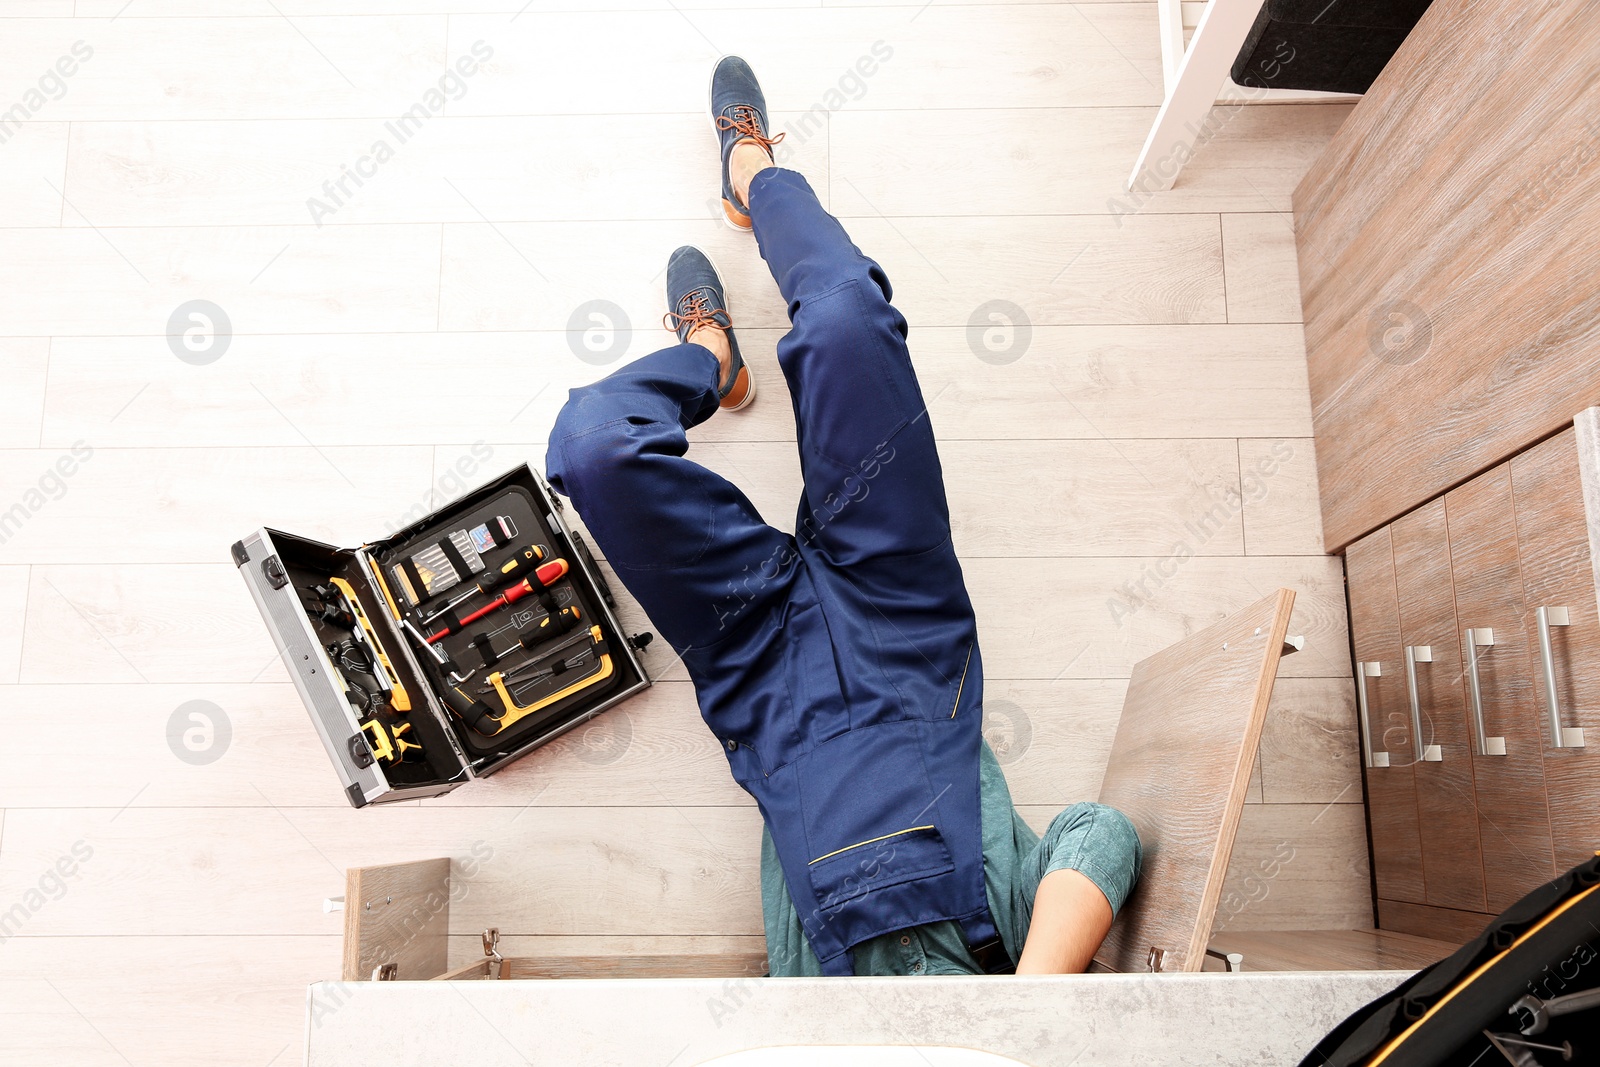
<point x="278" y="567"/>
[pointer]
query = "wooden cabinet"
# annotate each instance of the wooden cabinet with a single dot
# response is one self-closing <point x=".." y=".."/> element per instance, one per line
<point x="1452" y="863"/>
<point x="1558" y="572"/>
<point x="1507" y="768"/>
<point x="1385" y="724"/>
<point x="1472" y="803"/>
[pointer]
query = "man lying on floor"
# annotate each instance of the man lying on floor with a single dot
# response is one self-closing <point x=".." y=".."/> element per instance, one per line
<point x="838" y="668"/>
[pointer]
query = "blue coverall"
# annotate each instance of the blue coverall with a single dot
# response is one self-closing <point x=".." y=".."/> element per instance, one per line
<point x="839" y="667"/>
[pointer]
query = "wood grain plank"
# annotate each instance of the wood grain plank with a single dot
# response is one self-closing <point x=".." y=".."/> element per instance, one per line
<point x="586" y="870"/>
<point x="1073" y="383"/>
<point x="397" y="913"/>
<point x="196" y="1003"/>
<point x="144" y="623"/>
<point x="1452" y="855"/>
<point x="26" y="360"/>
<point x="1310" y="750"/>
<point x="162" y="505"/>
<point x="1179" y="769"/>
<point x="213" y="8"/>
<point x="945" y="163"/>
<point x="1395" y="824"/>
<point x="1297" y="867"/>
<point x="1443" y="924"/>
<point x="1461" y="196"/>
<point x="1513" y="810"/>
<point x="1558" y="570"/>
<point x="32" y="167"/>
<point x="1333" y="950"/>
<point x="13" y="606"/>
<point x="454" y="169"/>
<point x="1074" y="618"/>
<point x="1024" y="56"/>
<point x="1258" y="257"/>
<point x="1062" y="270"/>
<point x="130" y="281"/>
<point x="367" y="66"/>
<point x="1279" y="480"/>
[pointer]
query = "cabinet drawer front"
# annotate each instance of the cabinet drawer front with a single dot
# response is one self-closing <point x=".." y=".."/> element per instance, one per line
<point x="1452" y="859"/>
<point x="1391" y="786"/>
<point x="1558" y="572"/>
<point x="1507" y="764"/>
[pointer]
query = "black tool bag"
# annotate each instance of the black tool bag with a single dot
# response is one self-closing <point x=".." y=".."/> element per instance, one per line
<point x="1526" y="991"/>
<point x="1338" y="46"/>
<point x="403" y="717"/>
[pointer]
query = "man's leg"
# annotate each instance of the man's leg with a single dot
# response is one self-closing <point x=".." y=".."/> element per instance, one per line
<point x="1072" y="885"/>
<point x="873" y="483"/>
<point x="684" y="540"/>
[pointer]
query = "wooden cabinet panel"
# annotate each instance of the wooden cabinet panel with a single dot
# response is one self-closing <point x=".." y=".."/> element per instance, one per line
<point x="1452" y="860"/>
<point x="1557" y="571"/>
<point x="1391" y="789"/>
<point x="1445" y="924"/>
<point x="1513" y="817"/>
<point x="1446" y="240"/>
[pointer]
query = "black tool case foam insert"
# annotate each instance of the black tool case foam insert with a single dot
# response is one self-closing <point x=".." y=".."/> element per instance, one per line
<point x="523" y="512"/>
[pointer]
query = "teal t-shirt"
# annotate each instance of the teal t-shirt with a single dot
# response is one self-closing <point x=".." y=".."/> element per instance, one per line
<point x="934" y="948"/>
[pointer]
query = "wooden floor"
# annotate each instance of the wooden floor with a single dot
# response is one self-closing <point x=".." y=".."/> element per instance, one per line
<point x="1141" y="468"/>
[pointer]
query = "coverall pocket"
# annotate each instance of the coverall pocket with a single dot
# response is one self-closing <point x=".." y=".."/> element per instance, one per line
<point x="871" y="816"/>
<point x="890" y="859"/>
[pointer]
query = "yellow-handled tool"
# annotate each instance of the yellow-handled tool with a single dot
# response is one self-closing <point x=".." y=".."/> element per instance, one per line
<point x="399" y="699"/>
<point x="515" y="711"/>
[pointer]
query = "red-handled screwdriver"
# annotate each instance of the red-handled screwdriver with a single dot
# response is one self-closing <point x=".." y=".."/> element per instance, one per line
<point x="543" y="578"/>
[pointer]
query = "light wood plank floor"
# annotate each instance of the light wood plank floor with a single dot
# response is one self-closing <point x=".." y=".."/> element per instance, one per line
<point x="1141" y="468"/>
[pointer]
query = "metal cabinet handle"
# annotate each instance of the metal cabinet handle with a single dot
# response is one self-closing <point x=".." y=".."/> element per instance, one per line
<point x="1365" y="670"/>
<point x="1559" y="738"/>
<point x="1472" y="638"/>
<point x="1416" y="654"/>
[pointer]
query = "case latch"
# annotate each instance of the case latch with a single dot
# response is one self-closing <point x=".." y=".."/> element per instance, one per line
<point x="360" y="754"/>
<point x="272" y="567"/>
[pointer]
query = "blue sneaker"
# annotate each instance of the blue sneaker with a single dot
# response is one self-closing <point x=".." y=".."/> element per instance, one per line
<point x="739" y="114"/>
<point x="695" y="297"/>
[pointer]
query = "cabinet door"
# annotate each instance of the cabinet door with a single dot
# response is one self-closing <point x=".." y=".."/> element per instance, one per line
<point x="1452" y="861"/>
<point x="1558" y="572"/>
<point x="1507" y="765"/>
<point x="1391" y="781"/>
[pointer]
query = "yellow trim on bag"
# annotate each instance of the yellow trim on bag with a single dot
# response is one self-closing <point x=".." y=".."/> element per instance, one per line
<point x="963" y="684"/>
<point x="870" y="840"/>
<point x="1395" y="1043"/>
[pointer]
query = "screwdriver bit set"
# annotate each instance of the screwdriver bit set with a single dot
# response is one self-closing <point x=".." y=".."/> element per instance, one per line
<point x="444" y="652"/>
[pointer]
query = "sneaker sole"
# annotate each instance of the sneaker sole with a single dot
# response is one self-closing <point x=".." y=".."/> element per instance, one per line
<point x="729" y="212"/>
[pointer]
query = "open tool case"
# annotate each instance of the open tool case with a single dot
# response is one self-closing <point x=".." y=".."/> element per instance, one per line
<point x="443" y="653"/>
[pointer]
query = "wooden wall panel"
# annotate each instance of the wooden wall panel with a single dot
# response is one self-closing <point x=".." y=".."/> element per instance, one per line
<point x="1446" y="240"/>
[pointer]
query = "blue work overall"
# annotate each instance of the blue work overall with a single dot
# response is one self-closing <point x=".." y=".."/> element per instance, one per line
<point x="838" y="668"/>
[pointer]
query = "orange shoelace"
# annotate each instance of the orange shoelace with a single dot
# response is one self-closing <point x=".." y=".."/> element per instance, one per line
<point x="697" y="314"/>
<point x="746" y="122"/>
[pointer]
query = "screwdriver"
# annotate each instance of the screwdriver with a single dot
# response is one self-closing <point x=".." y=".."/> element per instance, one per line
<point x="540" y="579"/>
<point x="514" y="568"/>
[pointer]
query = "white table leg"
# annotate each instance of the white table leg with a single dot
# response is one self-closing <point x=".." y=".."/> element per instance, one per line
<point x="1182" y="125"/>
